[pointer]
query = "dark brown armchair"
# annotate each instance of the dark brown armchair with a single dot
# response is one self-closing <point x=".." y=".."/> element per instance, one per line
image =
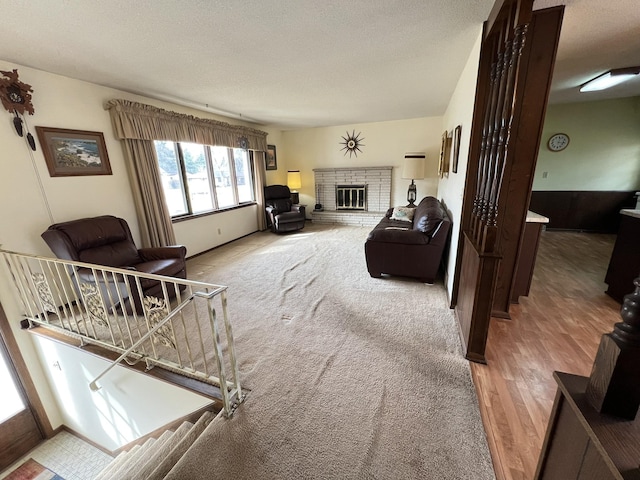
<point x="282" y="214"/>
<point x="107" y="240"/>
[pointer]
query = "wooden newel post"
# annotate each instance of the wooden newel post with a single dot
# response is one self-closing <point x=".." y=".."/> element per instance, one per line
<point x="614" y="384"/>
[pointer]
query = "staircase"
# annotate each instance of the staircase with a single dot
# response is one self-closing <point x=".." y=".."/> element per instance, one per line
<point x="154" y="459"/>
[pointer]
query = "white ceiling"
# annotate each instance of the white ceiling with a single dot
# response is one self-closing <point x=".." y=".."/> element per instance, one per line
<point x="299" y="63"/>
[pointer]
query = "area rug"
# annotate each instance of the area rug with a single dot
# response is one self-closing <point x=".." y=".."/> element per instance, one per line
<point x="351" y="377"/>
<point x="32" y="470"/>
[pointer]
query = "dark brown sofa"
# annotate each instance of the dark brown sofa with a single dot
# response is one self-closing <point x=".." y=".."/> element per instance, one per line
<point x="409" y="249"/>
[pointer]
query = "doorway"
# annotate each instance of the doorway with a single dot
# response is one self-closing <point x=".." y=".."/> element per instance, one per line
<point x="19" y="427"/>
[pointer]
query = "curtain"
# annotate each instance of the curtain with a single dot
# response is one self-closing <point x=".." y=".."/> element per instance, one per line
<point x="260" y="179"/>
<point x="156" y="229"/>
<point x="137" y="125"/>
<point x="146" y="122"/>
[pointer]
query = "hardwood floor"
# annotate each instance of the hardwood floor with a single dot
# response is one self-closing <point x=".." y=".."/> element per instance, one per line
<point x="556" y="328"/>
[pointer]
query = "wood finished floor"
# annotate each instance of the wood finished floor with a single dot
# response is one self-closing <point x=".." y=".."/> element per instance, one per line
<point x="557" y="327"/>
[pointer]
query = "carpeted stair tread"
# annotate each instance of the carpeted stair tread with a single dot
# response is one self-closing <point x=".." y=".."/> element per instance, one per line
<point x="181" y="447"/>
<point x="117" y="462"/>
<point x="159" y="452"/>
<point x="132" y="460"/>
<point x="132" y="472"/>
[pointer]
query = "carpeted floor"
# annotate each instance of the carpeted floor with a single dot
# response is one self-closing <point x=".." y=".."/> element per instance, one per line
<point x="351" y="377"/>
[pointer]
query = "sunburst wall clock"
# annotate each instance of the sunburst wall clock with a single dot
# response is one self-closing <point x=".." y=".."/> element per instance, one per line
<point x="352" y="143"/>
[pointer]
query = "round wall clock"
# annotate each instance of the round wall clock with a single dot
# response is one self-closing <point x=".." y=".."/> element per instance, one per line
<point x="558" y="142"/>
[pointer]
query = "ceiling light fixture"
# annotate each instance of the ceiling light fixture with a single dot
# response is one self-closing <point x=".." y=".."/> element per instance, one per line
<point x="610" y="78"/>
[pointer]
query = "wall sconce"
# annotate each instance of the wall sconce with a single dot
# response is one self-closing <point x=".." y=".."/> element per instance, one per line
<point x="294" y="182"/>
<point x="413" y="169"/>
<point x="610" y="78"/>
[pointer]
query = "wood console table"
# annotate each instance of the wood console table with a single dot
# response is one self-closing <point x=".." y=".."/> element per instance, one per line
<point x="581" y="443"/>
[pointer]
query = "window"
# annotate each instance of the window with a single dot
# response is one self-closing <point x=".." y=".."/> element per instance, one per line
<point x="200" y="178"/>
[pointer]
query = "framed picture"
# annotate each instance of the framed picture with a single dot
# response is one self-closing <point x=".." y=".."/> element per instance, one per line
<point x="74" y="152"/>
<point x="445" y="147"/>
<point x="271" y="160"/>
<point x="456" y="148"/>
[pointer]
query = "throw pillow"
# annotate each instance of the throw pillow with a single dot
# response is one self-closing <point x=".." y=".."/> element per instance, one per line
<point x="404" y="214"/>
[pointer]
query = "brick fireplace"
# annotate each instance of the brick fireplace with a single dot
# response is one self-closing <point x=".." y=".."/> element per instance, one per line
<point x="353" y="195"/>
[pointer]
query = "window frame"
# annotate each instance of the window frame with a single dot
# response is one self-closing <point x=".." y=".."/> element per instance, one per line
<point x="184" y="185"/>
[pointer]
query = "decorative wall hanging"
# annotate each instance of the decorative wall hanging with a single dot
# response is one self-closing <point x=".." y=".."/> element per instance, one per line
<point x="243" y="142"/>
<point x="16" y="98"/>
<point x="445" y="147"/>
<point x="352" y="143"/>
<point x="271" y="160"/>
<point x="74" y="152"/>
<point x="456" y="149"/>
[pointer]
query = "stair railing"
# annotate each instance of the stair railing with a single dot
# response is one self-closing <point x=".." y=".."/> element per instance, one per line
<point x="176" y="326"/>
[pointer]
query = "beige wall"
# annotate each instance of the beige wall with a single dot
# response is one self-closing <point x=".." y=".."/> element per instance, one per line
<point x="32" y="200"/>
<point x="451" y="187"/>
<point x="384" y="144"/>
<point x="604" y="147"/>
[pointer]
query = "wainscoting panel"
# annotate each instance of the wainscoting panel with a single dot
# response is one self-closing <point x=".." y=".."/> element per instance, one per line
<point x="588" y="211"/>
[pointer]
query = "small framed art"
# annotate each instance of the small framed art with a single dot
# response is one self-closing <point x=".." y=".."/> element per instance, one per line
<point x="74" y="152"/>
<point x="271" y="159"/>
<point x="455" y="154"/>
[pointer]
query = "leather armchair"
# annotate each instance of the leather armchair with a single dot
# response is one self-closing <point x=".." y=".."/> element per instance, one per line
<point x="282" y="214"/>
<point x="107" y="240"/>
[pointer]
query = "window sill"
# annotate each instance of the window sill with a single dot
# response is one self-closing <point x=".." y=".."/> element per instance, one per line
<point x="184" y="218"/>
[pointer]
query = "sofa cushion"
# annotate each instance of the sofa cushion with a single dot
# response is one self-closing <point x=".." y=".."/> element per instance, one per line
<point x="404" y="214"/>
<point x="428" y="215"/>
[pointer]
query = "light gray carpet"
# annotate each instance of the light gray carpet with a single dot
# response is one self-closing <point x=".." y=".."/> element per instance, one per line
<point x="351" y="377"/>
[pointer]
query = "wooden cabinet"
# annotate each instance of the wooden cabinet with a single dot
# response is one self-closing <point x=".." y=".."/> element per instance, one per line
<point x="624" y="265"/>
<point x="583" y="444"/>
<point x="527" y="258"/>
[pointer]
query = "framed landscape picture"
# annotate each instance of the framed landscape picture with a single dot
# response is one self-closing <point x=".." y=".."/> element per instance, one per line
<point x="271" y="160"/>
<point x="74" y="152"/>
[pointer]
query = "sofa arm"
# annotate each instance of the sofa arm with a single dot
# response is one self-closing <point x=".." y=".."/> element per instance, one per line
<point x="161" y="253"/>
<point x="395" y="235"/>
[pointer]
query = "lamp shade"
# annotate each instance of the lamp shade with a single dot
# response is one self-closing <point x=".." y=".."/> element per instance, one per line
<point x="413" y="167"/>
<point x="293" y="179"/>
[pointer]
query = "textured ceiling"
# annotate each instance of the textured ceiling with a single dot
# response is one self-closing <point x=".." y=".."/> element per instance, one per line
<point x="297" y="63"/>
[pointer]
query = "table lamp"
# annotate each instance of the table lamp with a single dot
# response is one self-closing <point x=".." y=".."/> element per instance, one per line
<point x="413" y="169"/>
<point x="294" y="182"/>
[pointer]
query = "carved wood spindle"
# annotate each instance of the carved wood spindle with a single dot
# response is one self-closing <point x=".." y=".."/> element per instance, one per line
<point x="487" y="133"/>
<point x="614" y="384"/>
<point x="512" y="61"/>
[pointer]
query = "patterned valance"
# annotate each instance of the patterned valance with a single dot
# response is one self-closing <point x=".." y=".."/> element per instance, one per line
<point x="145" y="122"/>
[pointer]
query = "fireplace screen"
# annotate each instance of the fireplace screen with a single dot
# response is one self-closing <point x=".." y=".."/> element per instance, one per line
<point x="351" y="197"/>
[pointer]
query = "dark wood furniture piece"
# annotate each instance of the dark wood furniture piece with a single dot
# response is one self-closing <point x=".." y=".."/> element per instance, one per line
<point x="527" y="258"/>
<point x="624" y="265"/>
<point x="583" y="444"/>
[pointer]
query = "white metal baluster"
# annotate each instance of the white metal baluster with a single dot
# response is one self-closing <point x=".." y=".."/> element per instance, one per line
<point x="217" y="350"/>
<point x="76" y="300"/>
<point x="24" y="299"/>
<point x="202" y="351"/>
<point x="56" y="281"/>
<point x="231" y="346"/>
<point x="146" y="316"/>
<point x="114" y="307"/>
<point x="184" y="327"/>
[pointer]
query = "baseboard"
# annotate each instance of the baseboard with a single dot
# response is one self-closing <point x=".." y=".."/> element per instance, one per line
<point x="85" y="439"/>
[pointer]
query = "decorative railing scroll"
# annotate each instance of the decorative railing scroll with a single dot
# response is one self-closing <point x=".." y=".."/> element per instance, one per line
<point x="177" y="329"/>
